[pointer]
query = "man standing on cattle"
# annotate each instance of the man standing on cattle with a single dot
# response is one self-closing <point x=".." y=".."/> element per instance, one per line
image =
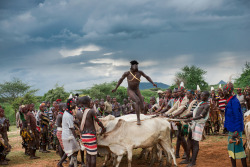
<point x="88" y="131"/>
<point x="235" y="125"/>
<point x="199" y="118"/>
<point x="133" y="77"/>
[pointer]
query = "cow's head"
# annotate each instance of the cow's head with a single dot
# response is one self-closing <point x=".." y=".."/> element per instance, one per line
<point x="104" y="121"/>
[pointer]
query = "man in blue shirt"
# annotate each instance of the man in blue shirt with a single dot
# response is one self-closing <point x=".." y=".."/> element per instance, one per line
<point x="235" y="125"/>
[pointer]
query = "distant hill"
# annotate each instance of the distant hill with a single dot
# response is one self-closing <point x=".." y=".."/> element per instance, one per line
<point x="222" y="82"/>
<point x="148" y="85"/>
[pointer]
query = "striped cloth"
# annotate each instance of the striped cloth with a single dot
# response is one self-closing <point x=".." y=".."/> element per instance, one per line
<point x="45" y="120"/>
<point x="89" y="143"/>
<point x="59" y="136"/>
<point x="222" y="104"/>
<point x="50" y="115"/>
<point x="197" y="131"/>
<point x="236" y="151"/>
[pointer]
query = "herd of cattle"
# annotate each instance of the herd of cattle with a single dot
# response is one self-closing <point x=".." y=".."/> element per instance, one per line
<point x="123" y="135"/>
<point x="153" y="136"/>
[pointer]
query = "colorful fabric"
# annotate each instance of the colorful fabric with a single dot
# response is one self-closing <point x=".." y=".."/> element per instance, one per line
<point x="222" y="104"/>
<point x="50" y="115"/>
<point x="236" y="151"/>
<point x="234" y="116"/>
<point x="89" y="143"/>
<point x="59" y="136"/>
<point x="45" y="120"/>
<point x="197" y="131"/>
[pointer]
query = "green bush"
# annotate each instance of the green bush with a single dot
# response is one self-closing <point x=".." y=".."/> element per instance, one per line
<point x="9" y="113"/>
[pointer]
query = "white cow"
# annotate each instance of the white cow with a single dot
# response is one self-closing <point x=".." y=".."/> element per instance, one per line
<point x="247" y="131"/>
<point x="127" y="135"/>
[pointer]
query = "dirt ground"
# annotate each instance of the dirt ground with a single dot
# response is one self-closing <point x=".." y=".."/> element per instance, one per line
<point x="213" y="153"/>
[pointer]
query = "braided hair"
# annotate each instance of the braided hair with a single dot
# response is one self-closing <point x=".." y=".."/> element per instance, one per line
<point x="69" y="101"/>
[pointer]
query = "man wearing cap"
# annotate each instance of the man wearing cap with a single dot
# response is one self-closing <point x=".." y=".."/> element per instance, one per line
<point x="133" y="77"/>
<point x="58" y="101"/>
<point x="160" y="96"/>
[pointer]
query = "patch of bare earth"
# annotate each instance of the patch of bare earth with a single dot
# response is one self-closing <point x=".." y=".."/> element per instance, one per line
<point x="213" y="153"/>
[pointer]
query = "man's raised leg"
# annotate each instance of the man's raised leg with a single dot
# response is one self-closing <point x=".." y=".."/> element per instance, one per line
<point x="137" y="101"/>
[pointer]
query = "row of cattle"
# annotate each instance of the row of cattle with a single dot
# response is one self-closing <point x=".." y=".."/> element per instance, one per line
<point x="123" y="135"/>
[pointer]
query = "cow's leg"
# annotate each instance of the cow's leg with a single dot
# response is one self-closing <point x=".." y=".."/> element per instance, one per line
<point x="118" y="160"/>
<point x="143" y="152"/>
<point x="153" y="156"/>
<point x="114" y="158"/>
<point x="106" y="159"/>
<point x="129" y="155"/>
<point x="168" y="148"/>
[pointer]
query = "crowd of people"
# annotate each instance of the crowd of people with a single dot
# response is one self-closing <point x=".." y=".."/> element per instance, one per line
<point x="62" y="126"/>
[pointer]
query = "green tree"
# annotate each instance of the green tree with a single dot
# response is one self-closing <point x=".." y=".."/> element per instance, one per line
<point x="28" y="98"/>
<point x="100" y="91"/>
<point x="244" y="79"/>
<point x="147" y="93"/>
<point x="191" y="76"/>
<point x="16" y="92"/>
<point x="57" y="93"/>
<point x="11" y="90"/>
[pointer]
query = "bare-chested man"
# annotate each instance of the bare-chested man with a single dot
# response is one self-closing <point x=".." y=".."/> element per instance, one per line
<point x="88" y="132"/>
<point x="133" y="77"/>
<point x="199" y="118"/>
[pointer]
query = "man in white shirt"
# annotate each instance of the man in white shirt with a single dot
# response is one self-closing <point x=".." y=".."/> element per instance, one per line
<point x="70" y="144"/>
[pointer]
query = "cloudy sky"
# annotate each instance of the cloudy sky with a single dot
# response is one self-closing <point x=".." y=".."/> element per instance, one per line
<point x="78" y="43"/>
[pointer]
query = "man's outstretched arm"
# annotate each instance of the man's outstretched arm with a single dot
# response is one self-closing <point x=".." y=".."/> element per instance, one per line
<point x="120" y="81"/>
<point x="98" y="122"/>
<point x="148" y="78"/>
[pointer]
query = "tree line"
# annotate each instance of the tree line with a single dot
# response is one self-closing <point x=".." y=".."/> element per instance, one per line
<point x="16" y="92"/>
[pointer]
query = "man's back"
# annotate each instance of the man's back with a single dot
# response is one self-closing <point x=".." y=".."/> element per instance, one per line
<point x="89" y="123"/>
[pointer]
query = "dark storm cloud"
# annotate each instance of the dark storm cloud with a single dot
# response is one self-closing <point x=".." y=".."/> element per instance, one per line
<point x="44" y="42"/>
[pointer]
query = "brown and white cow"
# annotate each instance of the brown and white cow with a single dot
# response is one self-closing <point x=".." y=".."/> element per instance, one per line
<point x="126" y="135"/>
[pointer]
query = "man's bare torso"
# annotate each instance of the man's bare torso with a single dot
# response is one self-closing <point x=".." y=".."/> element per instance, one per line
<point x="133" y="81"/>
<point x="203" y="109"/>
<point x="89" y="123"/>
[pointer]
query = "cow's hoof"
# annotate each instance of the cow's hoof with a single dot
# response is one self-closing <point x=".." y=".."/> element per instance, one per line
<point x="138" y="122"/>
